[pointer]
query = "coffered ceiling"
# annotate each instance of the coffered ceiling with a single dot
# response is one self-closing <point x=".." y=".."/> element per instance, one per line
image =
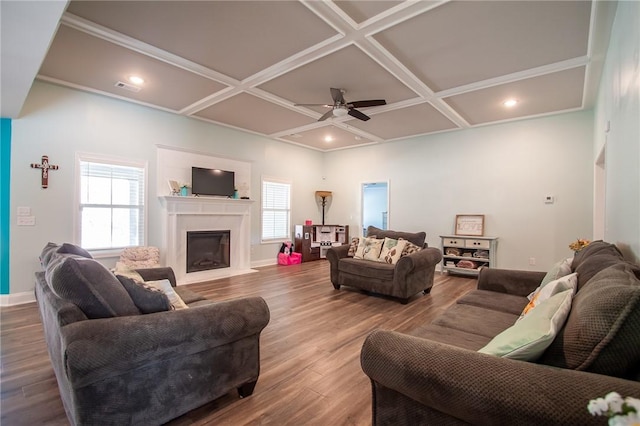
<point x="440" y="65"/>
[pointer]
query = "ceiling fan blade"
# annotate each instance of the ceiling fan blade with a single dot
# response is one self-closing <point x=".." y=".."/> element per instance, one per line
<point x="357" y="114"/>
<point x="326" y="115"/>
<point x="311" y="105"/>
<point x="336" y="95"/>
<point x="369" y="103"/>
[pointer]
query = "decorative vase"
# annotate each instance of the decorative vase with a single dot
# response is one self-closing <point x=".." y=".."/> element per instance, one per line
<point x="183" y="191"/>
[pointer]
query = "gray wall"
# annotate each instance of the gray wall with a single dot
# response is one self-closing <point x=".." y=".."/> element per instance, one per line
<point x="619" y="105"/>
<point x="503" y="171"/>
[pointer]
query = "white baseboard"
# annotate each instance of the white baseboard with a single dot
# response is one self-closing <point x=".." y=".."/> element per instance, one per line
<point x="17" y="298"/>
<point x="264" y="262"/>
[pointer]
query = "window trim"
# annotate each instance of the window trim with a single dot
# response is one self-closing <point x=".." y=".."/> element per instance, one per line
<point x="273" y="179"/>
<point x="113" y="160"/>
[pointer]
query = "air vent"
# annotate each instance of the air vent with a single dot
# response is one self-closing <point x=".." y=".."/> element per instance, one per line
<point x="127" y="86"/>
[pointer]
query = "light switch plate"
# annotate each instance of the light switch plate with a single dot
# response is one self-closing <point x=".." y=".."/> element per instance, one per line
<point x="26" y="220"/>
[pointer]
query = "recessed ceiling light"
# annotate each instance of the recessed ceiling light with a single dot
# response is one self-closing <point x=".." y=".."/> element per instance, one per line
<point x="328" y="139"/>
<point x="510" y="103"/>
<point x="136" y="80"/>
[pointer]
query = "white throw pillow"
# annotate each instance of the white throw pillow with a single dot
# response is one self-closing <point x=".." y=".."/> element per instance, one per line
<point x="559" y="270"/>
<point x="392" y="250"/>
<point x="372" y="248"/>
<point x="164" y="285"/>
<point x="529" y="337"/>
<point x="568" y="282"/>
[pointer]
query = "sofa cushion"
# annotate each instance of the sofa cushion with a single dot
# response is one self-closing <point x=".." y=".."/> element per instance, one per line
<point x="366" y="268"/>
<point x="450" y="336"/>
<point x="528" y="338"/>
<point x="147" y="299"/>
<point x="596" y="247"/>
<point x="475" y="320"/>
<point x="189" y="297"/>
<point x="495" y="301"/>
<point x="416" y="238"/>
<point x="602" y="333"/>
<point x="89" y="285"/>
<point x="594" y="264"/>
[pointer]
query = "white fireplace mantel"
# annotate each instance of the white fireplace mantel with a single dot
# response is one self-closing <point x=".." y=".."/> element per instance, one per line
<point x="184" y="214"/>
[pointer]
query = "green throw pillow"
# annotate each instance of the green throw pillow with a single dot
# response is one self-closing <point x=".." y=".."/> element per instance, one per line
<point x="528" y="338"/>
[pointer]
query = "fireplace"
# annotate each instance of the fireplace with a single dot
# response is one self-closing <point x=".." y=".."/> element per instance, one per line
<point x="208" y="250"/>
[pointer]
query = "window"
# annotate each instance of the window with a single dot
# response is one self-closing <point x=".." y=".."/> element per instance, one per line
<point x="276" y="210"/>
<point x="111" y="203"/>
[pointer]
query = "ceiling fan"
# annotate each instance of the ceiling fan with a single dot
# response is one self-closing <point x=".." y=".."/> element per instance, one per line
<point x="340" y="107"/>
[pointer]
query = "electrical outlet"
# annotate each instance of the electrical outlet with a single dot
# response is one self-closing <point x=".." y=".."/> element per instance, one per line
<point x="532" y="261"/>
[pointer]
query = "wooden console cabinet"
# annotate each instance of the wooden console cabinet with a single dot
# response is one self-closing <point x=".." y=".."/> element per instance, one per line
<point x="481" y="251"/>
<point x="313" y="241"/>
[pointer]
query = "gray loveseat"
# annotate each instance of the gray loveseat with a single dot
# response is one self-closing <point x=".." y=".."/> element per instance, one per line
<point x="436" y="375"/>
<point x="411" y="274"/>
<point x="117" y="366"/>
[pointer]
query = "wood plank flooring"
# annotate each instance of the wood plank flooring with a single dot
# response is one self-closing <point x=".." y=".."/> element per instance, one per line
<point x="310" y="351"/>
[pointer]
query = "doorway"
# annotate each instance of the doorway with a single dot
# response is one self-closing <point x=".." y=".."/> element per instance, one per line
<point x="375" y="205"/>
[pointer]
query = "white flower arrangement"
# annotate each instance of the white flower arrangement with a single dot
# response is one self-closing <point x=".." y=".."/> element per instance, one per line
<point x="621" y="411"/>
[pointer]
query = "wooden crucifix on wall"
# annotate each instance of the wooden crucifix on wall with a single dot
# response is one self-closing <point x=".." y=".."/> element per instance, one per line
<point x="45" y="167"/>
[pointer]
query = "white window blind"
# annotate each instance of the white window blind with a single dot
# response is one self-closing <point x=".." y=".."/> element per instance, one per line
<point x="276" y="210"/>
<point x="112" y="210"/>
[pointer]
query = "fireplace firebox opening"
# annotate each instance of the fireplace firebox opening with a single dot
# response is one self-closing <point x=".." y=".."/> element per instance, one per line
<point x="208" y="250"/>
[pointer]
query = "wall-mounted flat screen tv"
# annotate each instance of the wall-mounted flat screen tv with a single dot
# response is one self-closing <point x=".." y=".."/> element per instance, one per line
<point x="212" y="182"/>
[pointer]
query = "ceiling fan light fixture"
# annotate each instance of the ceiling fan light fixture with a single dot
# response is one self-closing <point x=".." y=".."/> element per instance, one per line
<point x="340" y="112"/>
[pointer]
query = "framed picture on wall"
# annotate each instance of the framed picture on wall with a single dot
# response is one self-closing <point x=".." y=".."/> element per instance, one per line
<point x="470" y="224"/>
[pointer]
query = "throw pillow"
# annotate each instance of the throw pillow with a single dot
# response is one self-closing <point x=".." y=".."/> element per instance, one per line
<point x="542" y="293"/>
<point x="528" y="338"/>
<point x="560" y="269"/>
<point x="372" y="248"/>
<point x="90" y="286"/>
<point x="410" y="248"/>
<point x="125" y="271"/>
<point x="165" y="287"/>
<point x="392" y="250"/>
<point x="601" y="333"/>
<point x="148" y="299"/>
<point x="362" y="242"/>
<point x="73" y="249"/>
<point x="353" y="246"/>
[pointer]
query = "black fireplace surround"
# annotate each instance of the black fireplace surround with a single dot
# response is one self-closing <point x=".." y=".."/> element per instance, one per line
<point x="208" y="250"/>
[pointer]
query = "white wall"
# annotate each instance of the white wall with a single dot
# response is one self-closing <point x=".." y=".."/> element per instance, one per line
<point x="502" y="171"/>
<point x="619" y="104"/>
<point x="57" y="122"/>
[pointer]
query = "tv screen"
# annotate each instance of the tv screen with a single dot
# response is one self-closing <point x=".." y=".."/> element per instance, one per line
<point x="212" y="182"/>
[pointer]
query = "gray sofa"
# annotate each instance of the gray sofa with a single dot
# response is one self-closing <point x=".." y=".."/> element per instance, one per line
<point x="412" y="274"/>
<point x="117" y="366"/>
<point x="436" y="375"/>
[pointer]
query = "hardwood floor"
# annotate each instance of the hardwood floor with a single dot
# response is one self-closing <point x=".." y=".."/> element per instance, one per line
<point x="310" y="351"/>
